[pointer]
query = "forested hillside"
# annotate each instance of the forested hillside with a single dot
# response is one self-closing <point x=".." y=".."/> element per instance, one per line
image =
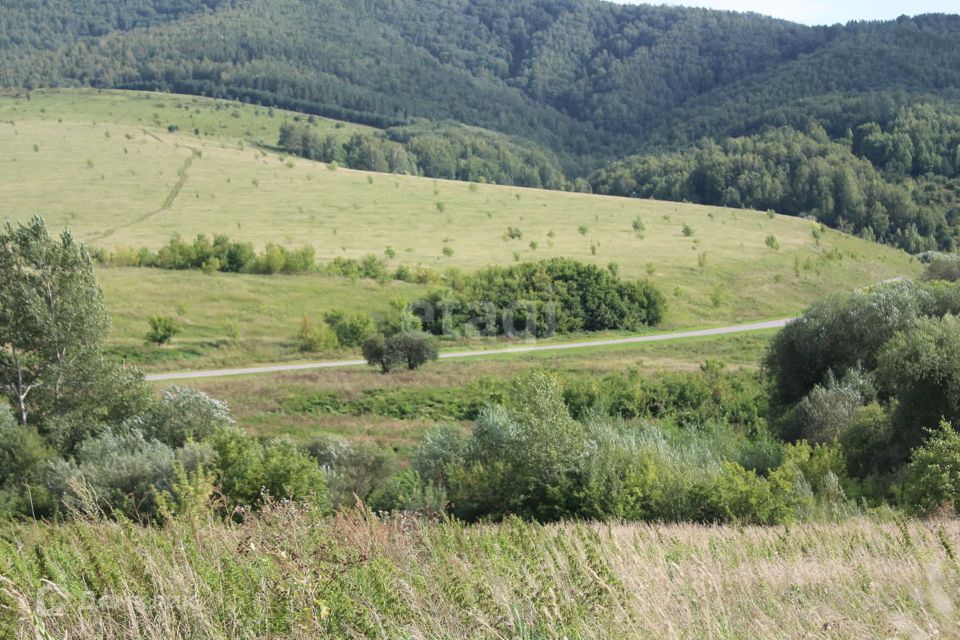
<point x="571" y="84"/>
<point x="556" y="71"/>
<point x="896" y="182"/>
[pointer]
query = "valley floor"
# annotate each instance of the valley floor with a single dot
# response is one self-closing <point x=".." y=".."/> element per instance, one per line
<point x="291" y="574"/>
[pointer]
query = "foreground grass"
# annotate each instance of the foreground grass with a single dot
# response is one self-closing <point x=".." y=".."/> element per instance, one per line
<point x="290" y="574"/>
<point x="106" y="165"/>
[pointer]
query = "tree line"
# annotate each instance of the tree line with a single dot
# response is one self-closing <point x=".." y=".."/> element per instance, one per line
<point x="444" y="151"/>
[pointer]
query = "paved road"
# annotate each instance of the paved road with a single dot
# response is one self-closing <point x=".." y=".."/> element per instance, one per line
<point x="459" y="355"/>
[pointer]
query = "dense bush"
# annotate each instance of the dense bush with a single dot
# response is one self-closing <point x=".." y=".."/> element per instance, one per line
<point x="920" y="369"/>
<point x="181" y="415"/>
<point x="825" y="412"/>
<point x="136" y="469"/>
<point x="350" y="327"/>
<point x="840" y="333"/>
<point x="688" y="399"/>
<point x="406" y="492"/>
<point x="24" y="457"/>
<point x="399" y="319"/>
<point x="313" y="337"/>
<point x="529" y="457"/>
<point x="354" y="469"/>
<point x="162" y="329"/>
<point x="369" y="267"/>
<point x="541" y="298"/>
<point x="118" y="472"/>
<point x="933" y="475"/>
<point x="409" y="349"/>
<point x="249" y="470"/>
<point x="223" y="255"/>
<point x="944" y="267"/>
<point x="873" y="370"/>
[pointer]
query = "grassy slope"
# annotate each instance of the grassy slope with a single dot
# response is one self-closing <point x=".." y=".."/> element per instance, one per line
<point x="229" y="320"/>
<point x="110" y="167"/>
<point x="287" y="574"/>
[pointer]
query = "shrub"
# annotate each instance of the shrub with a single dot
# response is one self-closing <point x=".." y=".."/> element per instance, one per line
<point x="21" y="448"/>
<point x="837" y="334"/>
<point x="350" y="327"/>
<point x="411" y="349"/>
<point x="688" y="230"/>
<point x="933" y="475"/>
<point x="921" y="369"/>
<point x="828" y="409"/>
<point x="163" y="329"/>
<point x="406" y="492"/>
<point x="23" y="458"/>
<point x="530" y="457"/>
<point x="399" y="319"/>
<point x="354" y="469"/>
<point x="743" y="497"/>
<point x="944" y="267"/>
<point x="248" y="470"/>
<point x="313" y="338"/>
<point x="866" y="442"/>
<point x="517" y="454"/>
<point x="810" y="475"/>
<point x="181" y="415"/>
<point x="277" y="259"/>
<point x="439" y="448"/>
<point x="220" y="255"/>
<point x="772" y="242"/>
<point x="117" y="472"/>
<point x="376" y="354"/>
<point x="414" y="348"/>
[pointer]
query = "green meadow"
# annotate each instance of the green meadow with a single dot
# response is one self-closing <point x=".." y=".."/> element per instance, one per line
<point x="126" y="169"/>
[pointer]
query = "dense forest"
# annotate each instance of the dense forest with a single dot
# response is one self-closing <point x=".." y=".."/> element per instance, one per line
<point x="896" y="183"/>
<point x="546" y="92"/>
<point x="573" y="75"/>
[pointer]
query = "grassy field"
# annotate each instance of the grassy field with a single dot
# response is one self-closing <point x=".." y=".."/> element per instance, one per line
<point x="107" y="165"/>
<point x="229" y="319"/>
<point x="289" y="574"/>
<point x="292" y="404"/>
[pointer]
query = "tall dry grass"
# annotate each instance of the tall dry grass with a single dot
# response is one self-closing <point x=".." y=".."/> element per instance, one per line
<point x="291" y="574"/>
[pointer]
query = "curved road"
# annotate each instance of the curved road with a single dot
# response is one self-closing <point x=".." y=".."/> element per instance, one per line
<point x="459" y="355"/>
